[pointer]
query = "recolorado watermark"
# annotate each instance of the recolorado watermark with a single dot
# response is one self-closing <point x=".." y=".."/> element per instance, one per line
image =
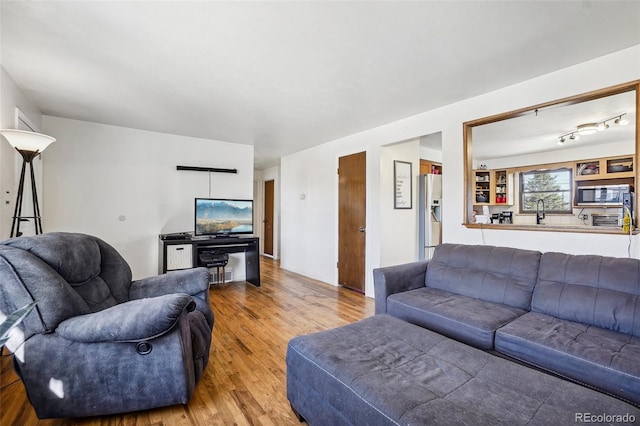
<point x="604" y="418"/>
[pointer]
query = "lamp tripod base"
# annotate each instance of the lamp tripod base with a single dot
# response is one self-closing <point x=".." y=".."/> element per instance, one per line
<point x="27" y="157"/>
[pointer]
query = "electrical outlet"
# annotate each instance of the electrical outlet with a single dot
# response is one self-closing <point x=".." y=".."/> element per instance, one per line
<point x="583" y="216"/>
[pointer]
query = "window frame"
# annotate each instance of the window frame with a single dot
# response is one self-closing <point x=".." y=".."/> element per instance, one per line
<point x="569" y="190"/>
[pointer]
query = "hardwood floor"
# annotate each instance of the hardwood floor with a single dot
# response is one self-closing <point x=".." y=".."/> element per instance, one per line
<point x="244" y="382"/>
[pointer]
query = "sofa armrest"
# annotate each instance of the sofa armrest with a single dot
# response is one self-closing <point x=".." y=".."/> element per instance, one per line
<point x="396" y="279"/>
<point x="132" y="321"/>
<point x="193" y="282"/>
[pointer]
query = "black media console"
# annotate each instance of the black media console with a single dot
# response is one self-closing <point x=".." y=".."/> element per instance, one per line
<point x="180" y="251"/>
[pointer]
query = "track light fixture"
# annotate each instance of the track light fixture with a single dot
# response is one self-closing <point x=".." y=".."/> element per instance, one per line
<point x="591" y="128"/>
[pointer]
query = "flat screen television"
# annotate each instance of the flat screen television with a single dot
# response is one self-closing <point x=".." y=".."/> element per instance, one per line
<point x="217" y="216"/>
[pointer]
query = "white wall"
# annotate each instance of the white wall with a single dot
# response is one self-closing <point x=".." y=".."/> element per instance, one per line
<point x="431" y="154"/>
<point x="431" y="147"/>
<point x="309" y="228"/>
<point x="11" y="97"/>
<point x="398" y="242"/>
<point x="122" y="185"/>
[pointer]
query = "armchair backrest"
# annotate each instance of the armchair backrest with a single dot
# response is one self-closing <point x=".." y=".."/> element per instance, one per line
<point x="67" y="274"/>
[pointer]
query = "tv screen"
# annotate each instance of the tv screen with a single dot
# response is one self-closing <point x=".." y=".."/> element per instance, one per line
<point x="214" y="216"/>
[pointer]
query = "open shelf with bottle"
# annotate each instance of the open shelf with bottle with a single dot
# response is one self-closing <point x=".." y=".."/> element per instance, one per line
<point x="501" y="187"/>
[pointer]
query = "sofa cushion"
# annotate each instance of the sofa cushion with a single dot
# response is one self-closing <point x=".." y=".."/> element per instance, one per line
<point x="593" y="290"/>
<point x="464" y="318"/>
<point x="493" y="274"/>
<point x="605" y="359"/>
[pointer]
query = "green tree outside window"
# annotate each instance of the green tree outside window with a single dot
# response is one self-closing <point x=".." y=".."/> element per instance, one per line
<point x="551" y="186"/>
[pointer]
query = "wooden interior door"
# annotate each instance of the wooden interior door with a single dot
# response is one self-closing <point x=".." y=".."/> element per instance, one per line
<point x="268" y="217"/>
<point x="352" y="185"/>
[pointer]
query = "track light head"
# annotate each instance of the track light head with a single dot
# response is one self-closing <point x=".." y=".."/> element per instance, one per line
<point x="621" y="121"/>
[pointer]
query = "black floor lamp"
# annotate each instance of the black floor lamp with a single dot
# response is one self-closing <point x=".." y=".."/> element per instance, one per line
<point x="29" y="145"/>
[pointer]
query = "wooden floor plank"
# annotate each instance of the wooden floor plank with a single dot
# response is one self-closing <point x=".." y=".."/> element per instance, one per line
<point x="244" y="382"/>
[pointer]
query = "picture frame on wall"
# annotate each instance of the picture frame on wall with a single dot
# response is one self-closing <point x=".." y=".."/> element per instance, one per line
<point x="403" y="185"/>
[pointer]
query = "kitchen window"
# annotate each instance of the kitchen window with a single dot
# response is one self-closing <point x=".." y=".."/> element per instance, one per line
<point x="554" y="187"/>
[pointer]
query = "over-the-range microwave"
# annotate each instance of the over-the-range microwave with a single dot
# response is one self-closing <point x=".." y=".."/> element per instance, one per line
<point x="601" y="195"/>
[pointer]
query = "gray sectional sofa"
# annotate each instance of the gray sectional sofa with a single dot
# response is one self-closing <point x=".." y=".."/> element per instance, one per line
<point x="453" y="340"/>
<point x="574" y="315"/>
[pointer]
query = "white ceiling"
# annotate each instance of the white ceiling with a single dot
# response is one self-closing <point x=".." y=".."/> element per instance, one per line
<point x="285" y="76"/>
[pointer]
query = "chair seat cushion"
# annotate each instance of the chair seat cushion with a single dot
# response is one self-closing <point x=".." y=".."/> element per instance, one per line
<point x="601" y="358"/>
<point x="469" y="320"/>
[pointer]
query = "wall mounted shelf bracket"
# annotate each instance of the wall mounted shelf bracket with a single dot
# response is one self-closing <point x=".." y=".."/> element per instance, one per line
<point x="206" y="169"/>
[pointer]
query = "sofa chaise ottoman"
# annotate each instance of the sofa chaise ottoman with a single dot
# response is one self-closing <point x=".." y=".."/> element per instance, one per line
<point x="386" y="371"/>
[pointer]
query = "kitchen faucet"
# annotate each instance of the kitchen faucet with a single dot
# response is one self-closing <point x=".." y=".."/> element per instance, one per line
<point x="539" y="212"/>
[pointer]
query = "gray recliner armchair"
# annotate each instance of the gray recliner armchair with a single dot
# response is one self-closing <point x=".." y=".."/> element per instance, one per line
<point x="97" y="342"/>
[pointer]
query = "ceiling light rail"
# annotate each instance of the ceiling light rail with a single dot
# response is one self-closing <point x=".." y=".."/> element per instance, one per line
<point x="591" y="128"/>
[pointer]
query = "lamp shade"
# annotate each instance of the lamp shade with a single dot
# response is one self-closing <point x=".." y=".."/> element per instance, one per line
<point x="23" y="140"/>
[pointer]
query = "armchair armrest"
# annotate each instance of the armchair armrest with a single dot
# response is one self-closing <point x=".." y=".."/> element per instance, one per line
<point x="132" y="321"/>
<point x="396" y="279"/>
<point x="189" y="281"/>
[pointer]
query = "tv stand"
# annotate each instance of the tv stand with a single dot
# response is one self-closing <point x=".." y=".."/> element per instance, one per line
<point x="185" y="253"/>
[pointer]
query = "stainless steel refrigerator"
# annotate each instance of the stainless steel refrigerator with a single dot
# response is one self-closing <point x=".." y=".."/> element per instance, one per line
<point x="429" y="214"/>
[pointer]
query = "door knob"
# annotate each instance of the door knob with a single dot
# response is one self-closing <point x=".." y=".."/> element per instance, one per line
<point x="361" y="229"/>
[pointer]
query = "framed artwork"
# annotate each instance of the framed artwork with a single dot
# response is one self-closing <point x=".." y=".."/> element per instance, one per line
<point x="402" y="183"/>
